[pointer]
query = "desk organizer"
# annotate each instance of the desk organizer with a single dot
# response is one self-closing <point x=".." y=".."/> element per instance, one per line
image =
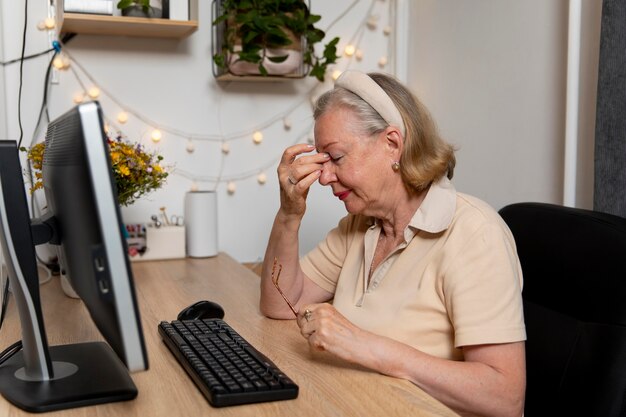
<point x="166" y="242"/>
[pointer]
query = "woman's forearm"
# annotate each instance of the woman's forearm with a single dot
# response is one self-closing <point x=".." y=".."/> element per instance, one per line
<point x="493" y="387"/>
<point x="282" y="247"/>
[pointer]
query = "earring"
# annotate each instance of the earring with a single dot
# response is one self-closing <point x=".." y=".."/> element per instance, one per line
<point x="395" y="166"/>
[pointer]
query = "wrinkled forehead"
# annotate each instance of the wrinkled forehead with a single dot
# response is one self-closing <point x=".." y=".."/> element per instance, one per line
<point x="340" y="129"/>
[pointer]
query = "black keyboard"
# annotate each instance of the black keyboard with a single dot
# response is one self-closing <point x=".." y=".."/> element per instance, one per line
<point x="226" y="368"/>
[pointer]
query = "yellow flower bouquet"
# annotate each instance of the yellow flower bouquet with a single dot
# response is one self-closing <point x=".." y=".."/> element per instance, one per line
<point x="136" y="171"/>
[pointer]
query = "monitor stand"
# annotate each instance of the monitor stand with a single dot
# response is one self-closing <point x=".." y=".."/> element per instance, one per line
<point x="41" y="377"/>
<point x="85" y="374"/>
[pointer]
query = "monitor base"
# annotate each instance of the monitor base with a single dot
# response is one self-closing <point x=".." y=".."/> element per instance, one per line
<point x="100" y="378"/>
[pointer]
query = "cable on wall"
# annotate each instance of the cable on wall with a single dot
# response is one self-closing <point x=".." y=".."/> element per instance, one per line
<point x="19" y="94"/>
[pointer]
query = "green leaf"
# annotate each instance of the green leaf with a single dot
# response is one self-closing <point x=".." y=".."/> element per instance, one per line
<point x="314" y="36"/>
<point x="250" y="36"/>
<point x="313" y="18"/>
<point x="251" y="49"/>
<point x="276" y="38"/>
<point x="124" y="4"/>
<point x="263" y="71"/>
<point x="278" y="59"/>
<point x="220" y="19"/>
<point x="219" y="60"/>
<point x="330" y="51"/>
<point x="317" y="71"/>
<point x="252" y="57"/>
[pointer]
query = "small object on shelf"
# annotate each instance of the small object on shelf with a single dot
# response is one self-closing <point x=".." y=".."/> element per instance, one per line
<point x="104" y="7"/>
<point x="140" y="8"/>
<point x="176" y="10"/>
<point x="137" y="11"/>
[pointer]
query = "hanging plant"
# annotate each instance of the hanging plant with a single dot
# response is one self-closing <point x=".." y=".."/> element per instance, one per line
<point x="268" y="33"/>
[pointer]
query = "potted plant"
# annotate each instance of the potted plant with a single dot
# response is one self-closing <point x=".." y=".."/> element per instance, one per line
<point x="139" y="8"/>
<point x="269" y="37"/>
<point x="136" y="171"/>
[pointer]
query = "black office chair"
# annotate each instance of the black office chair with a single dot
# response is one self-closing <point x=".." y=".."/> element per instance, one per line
<point x="574" y="264"/>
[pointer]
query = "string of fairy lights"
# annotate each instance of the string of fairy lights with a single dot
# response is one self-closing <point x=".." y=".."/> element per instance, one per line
<point x="353" y="50"/>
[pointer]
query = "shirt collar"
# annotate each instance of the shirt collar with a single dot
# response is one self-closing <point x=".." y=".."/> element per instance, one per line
<point x="435" y="213"/>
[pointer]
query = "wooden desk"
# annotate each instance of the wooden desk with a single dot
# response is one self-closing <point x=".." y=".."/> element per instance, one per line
<point x="328" y="387"/>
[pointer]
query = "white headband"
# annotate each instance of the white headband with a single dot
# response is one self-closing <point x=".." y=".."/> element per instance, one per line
<point x="365" y="87"/>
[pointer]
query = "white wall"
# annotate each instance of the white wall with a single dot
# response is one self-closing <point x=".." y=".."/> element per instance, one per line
<point x="171" y="83"/>
<point x="491" y="71"/>
<point x="493" y="74"/>
<point x="3" y="111"/>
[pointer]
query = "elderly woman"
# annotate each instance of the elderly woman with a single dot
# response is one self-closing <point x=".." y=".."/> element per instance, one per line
<point x="418" y="281"/>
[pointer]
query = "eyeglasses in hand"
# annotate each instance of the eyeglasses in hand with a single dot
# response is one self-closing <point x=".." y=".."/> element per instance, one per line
<point x="275" y="277"/>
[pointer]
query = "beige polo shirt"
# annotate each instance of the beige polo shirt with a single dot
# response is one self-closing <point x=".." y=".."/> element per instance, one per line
<point x="455" y="281"/>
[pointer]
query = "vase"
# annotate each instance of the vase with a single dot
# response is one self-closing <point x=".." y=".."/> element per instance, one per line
<point x="293" y="65"/>
<point x="138" y="11"/>
<point x="201" y="224"/>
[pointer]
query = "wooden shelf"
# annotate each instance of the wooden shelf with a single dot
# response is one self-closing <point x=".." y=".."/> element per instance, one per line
<point x="126" y="26"/>
<point x="258" y="78"/>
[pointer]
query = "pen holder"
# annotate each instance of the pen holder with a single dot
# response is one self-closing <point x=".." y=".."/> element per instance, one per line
<point x="166" y="242"/>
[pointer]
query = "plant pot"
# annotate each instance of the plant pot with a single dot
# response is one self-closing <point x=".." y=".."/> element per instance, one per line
<point x="137" y="11"/>
<point x="291" y="66"/>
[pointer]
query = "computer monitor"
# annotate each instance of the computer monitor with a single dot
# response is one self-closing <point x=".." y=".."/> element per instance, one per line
<point x="83" y="217"/>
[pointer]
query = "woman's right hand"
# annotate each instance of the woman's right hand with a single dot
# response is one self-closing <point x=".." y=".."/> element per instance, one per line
<point x="296" y="175"/>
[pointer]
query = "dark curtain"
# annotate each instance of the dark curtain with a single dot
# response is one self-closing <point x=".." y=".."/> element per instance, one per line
<point x="610" y="141"/>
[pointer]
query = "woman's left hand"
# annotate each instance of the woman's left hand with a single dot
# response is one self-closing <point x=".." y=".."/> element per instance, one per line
<point x="328" y="330"/>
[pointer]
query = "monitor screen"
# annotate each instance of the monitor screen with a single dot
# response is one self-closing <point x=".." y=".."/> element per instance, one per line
<point x="83" y="217"/>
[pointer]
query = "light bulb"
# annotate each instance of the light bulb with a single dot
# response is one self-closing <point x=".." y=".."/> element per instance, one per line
<point x="49" y="23"/>
<point x="194" y="186"/>
<point x="358" y="55"/>
<point x="261" y="178"/>
<point x="336" y="74"/>
<point x="57" y="62"/>
<point x="79" y="97"/>
<point x="372" y="22"/>
<point x="382" y="61"/>
<point x="286" y="123"/>
<point x="41" y="25"/>
<point x="66" y="61"/>
<point x="156" y="135"/>
<point x="225" y="148"/>
<point x="387" y="30"/>
<point x="122" y="117"/>
<point x="349" y="50"/>
<point x="94" y="92"/>
<point x="232" y="187"/>
<point x="257" y="137"/>
<point x="190" y="146"/>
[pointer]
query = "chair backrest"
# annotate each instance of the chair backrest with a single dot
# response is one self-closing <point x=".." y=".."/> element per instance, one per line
<point x="574" y="265"/>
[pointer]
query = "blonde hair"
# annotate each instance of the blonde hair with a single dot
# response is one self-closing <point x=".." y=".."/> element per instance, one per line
<point x="426" y="157"/>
